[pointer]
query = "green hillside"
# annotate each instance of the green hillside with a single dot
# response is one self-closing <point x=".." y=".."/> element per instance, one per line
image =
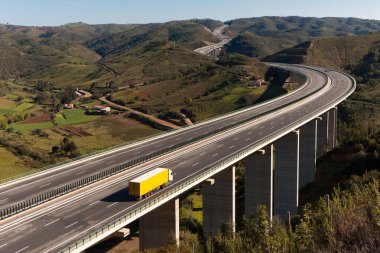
<point x="185" y="33"/>
<point x="267" y="35"/>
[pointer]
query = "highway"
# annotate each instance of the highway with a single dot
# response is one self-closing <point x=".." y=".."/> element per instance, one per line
<point x="51" y="228"/>
<point x="49" y="180"/>
<point x="218" y="32"/>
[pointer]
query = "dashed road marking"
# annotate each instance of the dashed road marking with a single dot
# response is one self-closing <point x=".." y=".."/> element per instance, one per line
<point x="72" y="224"/>
<point x="112" y="204"/>
<point x="96" y="202"/>
<point x="22" y="249"/>
<point x="42" y="186"/>
<point x="51" y="222"/>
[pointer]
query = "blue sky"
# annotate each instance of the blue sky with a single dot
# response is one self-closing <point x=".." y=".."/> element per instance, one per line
<point x="57" y="12"/>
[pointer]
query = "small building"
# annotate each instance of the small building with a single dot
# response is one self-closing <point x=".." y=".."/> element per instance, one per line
<point x="68" y="106"/>
<point x="102" y="109"/>
<point x="257" y="81"/>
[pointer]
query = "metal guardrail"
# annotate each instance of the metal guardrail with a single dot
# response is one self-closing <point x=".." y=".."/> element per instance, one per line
<point x="212" y="170"/>
<point x="37" y="200"/>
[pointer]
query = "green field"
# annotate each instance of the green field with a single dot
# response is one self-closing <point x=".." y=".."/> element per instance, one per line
<point x="74" y="116"/>
<point x="30" y="127"/>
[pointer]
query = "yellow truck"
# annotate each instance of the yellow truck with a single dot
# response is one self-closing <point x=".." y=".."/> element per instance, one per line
<point x="145" y="184"/>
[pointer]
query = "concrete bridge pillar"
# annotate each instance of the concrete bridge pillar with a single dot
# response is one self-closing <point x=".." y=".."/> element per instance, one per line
<point x="332" y="128"/>
<point x="286" y="175"/>
<point x="259" y="181"/>
<point x="308" y="152"/>
<point x="218" y="198"/>
<point x="160" y="225"/>
<point x="323" y="133"/>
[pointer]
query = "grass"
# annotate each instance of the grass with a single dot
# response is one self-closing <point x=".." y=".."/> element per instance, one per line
<point x="30" y="127"/>
<point x="11" y="96"/>
<point x="10" y="165"/>
<point x="63" y="75"/>
<point x="197" y="207"/>
<point x="23" y="106"/>
<point x="74" y="116"/>
<point x="7" y="104"/>
<point x="105" y="134"/>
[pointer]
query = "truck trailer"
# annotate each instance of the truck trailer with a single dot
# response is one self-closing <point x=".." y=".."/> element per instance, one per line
<point x="145" y="184"/>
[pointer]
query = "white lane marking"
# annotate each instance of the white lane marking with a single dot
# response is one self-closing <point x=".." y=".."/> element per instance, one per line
<point x="22" y="249"/>
<point x="4" y="199"/>
<point x="181" y="163"/>
<point x="195" y="164"/>
<point x="271" y="128"/>
<point x="81" y="172"/>
<point x="51" y="222"/>
<point x="5" y="244"/>
<point x="249" y="133"/>
<point x="260" y="133"/>
<point x="248" y="139"/>
<point x="72" y="224"/>
<point x="112" y="204"/>
<point x="202" y="154"/>
<point x="96" y="202"/>
<point x="237" y="138"/>
<point x="111" y="162"/>
<point x="232" y="146"/>
<point x="63" y="172"/>
<point x="221" y="145"/>
<point x="261" y="127"/>
<point x="282" y="122"/>
<point x="214" y="154"/>
<point x="42" y="186"/>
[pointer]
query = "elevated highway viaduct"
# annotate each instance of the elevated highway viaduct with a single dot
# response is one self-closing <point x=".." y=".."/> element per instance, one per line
<point x="292" y="130"/>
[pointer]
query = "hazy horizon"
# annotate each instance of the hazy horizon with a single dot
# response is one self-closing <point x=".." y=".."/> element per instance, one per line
<point x="57" y="13"/>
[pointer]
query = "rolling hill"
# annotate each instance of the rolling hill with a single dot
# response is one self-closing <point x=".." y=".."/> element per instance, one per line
<point x="266" y="35"/>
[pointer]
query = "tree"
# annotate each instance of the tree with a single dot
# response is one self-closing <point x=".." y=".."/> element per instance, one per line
<point x="67" y="95"/>
<point x="68" y="146"/>
<point x="3" y="124"/>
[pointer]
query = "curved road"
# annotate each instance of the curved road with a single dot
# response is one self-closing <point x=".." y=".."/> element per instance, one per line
<point x="51" y="228"/>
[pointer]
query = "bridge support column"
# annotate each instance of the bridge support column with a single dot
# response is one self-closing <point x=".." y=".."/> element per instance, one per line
<point x="308" y="152"/>
<point x="286" y="175"/>
<point x="323" y="133"/>
<point x="332" y="128"/>
<point x="219" y="202"/>
<point x="259" y="181"/>
<point x="160" y="225"/>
